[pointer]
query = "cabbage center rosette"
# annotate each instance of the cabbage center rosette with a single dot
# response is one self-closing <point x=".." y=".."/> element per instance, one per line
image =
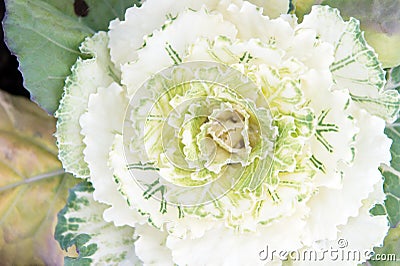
<point x="213" y="129"/>
<point x="198" y="135"/>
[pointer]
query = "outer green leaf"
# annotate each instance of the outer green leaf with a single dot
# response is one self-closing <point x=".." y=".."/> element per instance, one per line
<point x="33" y="186"/>
<point x="394" y="79"/>
<point x="392" y="176"/>
<point x="393" y="132"/>
<point x="81" y="224"/>
<point x="395" y="75"/>
<point x="390" y="247"/>
<point x="392" y="202"/>
<point x="391" y="186"/>
<point x="45" y="35"/>
<point x="391" y="208"/>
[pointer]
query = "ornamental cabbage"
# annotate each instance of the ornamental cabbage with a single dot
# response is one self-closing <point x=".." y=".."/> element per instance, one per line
<point x="210" y="132"/>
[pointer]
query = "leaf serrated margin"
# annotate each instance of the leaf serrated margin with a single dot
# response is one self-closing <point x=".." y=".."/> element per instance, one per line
<point x="96" y="241"/>
<point x="63" y="226"/>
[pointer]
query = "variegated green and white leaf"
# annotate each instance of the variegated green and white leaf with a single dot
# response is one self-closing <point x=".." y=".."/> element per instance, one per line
<point x="356" y="66"/>
<point x="81" y="224"/>
<point x="380" y="23"/>
<point x="87" y="76"/>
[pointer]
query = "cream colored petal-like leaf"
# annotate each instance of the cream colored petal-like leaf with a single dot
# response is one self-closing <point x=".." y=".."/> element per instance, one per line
<point x="380" y="21"/>
<point x="356" y="67"/>
<point x="107" y="105"/>
<point x="87" y="76"/>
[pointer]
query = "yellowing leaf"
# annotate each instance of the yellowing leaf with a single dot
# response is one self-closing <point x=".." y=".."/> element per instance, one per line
<point x="273" y="8"/>
<point x="303" y="7"/>
<point x="33" y="185"/>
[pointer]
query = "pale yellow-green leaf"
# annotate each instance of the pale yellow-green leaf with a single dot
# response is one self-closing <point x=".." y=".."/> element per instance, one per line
<point x="272" y="8"/>
<point x="33" y="185"/>
<point x="303" y="7"/>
